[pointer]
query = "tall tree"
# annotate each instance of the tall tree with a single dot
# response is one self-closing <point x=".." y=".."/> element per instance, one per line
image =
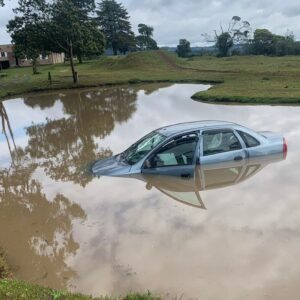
<point x="224" y="42"/>
<point x="145" y="40"/>
<point x="28" y="41"/>
<point x="237" y="32"/>
<point x="113" y="20"/>
<point x="72" y="31"/>
<point x="184" y="48"/>
<point x="27" y="31"/>
<point x="266" y="43"/>
<point x="57" y="26"/>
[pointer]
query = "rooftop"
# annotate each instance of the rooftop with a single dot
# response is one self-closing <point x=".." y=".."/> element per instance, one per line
<point x="6" y="48"/>
<point x="182" y="127"/>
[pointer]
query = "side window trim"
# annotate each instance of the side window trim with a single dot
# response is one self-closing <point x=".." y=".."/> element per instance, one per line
<point x="240" y="134"/>
<point x="240" y="140"/>
<point x="151" y="154"/>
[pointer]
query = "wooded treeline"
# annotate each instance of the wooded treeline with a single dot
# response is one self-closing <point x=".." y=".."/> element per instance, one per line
<point x="237" y="39"/>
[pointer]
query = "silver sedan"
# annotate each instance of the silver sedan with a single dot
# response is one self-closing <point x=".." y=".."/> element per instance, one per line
<point x="176" y="150"/>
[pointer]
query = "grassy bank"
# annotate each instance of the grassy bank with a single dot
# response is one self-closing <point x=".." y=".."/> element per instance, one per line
<point x="242" y="79"/>
<point x="17" y="290"/>
<point x="152" y="66"/>
<point x="252" y="79"/>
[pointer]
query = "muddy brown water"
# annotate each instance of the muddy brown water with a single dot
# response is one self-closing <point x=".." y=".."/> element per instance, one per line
<point x="64" y="229"/>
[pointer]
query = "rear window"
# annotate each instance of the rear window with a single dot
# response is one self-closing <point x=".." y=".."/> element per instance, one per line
<point x="248" y="139"/>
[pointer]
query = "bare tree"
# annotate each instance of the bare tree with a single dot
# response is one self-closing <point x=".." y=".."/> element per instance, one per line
<point x="237" y="32"/>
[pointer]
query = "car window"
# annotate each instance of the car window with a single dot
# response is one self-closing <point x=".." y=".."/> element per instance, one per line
<point x="219" y="141"/>
<point x="248" y="139"/>
<point x="221" y="177"/>
<point x="142" y="147"/>
<point x="178" y="151"/>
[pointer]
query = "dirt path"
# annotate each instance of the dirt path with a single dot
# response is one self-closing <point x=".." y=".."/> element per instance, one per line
<point x="172" y="63"/>
<point x="169" y="60"/>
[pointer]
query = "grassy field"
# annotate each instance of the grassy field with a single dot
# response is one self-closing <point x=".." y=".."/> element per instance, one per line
<point x="242" y="79"/>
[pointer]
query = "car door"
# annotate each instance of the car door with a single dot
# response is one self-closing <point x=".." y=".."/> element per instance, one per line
<point x="177" y="157"/>
<point x="222" y="147"/>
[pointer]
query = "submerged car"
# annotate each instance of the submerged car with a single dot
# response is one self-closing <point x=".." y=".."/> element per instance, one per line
<point x="176" y="150"/>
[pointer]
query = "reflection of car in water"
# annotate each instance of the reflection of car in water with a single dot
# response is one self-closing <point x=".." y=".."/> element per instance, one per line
<point x="211" y="176"/>
<point x="175" y="150"/>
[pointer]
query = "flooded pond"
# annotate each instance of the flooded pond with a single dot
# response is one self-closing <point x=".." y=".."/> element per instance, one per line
<point x="65" y="229"/>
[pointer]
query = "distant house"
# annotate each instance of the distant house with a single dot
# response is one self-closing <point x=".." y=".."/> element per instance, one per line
<point x="8" y="58"/>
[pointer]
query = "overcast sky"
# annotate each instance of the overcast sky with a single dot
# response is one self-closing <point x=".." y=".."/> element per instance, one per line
<point x="173" y="19"/>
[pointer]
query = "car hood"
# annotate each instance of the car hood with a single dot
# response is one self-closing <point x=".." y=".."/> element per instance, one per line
<point x="111" y="166"/>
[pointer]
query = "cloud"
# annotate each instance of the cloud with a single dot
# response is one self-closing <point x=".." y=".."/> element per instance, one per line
<point x="189" y="19"/>
<point x="6" y="14"/>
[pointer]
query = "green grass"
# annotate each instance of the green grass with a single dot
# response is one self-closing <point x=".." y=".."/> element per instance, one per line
<point x="18" y="290"/>
<point x="11" y="289"/>
<point x="241" y="79"/>
<point x="251" y="79"/>
<point x="4" y="269"/>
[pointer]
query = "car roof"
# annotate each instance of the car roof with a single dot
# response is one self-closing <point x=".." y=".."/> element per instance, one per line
<point x="197" y="125"/>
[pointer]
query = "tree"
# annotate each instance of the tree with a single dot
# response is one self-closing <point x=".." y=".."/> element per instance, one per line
<point x="238" y="32"/>
<point x="224" y="43"/>
<point x="1" y="2"/>
<point x="113" y="20"/>
<point x="145" y="40"/>
<point x="184" y="48"/>
<point x="266" y="43"/>
<point x="57" y="26"/>
<point x="27" y="31"/>
<point x="28" y="41"/>
<point x="72" y="31"/>
<point x="126" y="43"/>
<point x="262" y="42"/>
<point x="285" y="46"/>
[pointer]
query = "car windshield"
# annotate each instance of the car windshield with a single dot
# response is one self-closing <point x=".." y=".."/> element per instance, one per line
<point x="142" y="147"/>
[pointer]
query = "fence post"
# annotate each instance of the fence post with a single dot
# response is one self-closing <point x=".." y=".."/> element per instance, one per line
<point x="49" y="77"/>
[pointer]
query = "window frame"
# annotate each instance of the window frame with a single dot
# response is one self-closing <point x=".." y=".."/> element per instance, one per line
<point x="240" y="133"/>
<point x="196" y="153"/>
<point x="239" y="139"/>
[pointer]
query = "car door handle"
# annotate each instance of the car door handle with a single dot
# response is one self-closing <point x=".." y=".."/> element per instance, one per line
<point x="238" y="158"/>
<point x="186" y="175"/>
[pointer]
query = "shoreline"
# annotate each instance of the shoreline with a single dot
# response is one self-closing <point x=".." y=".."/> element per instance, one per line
<point x="103" y="85"/>
<point x="235" y="80"/>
